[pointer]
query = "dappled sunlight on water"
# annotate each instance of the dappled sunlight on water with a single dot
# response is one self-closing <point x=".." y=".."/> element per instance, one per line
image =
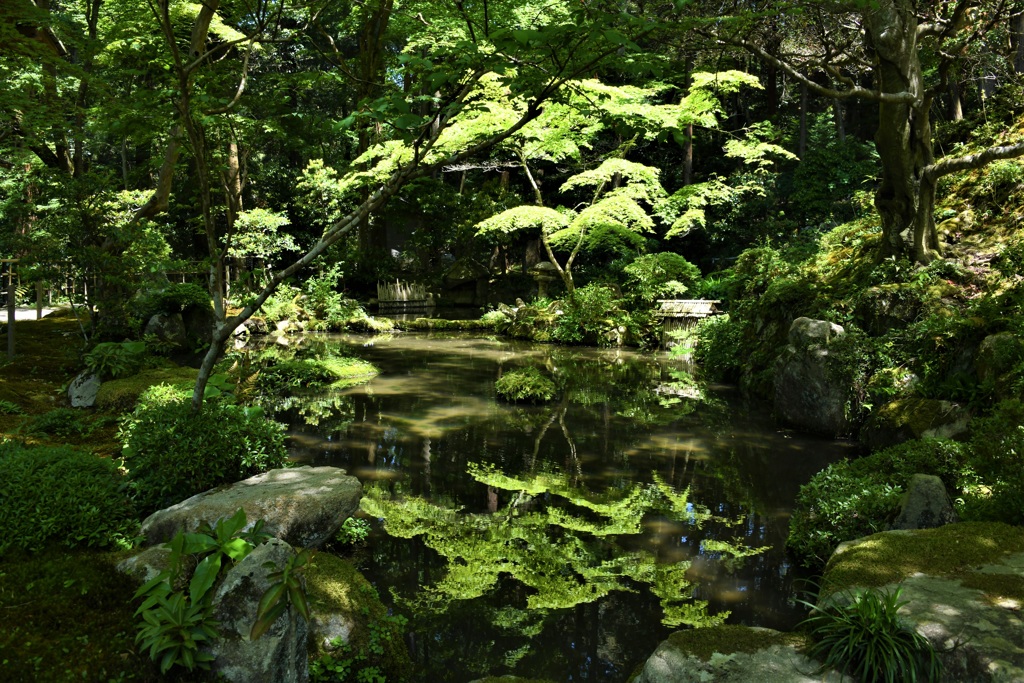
<point x="561" y="540"/>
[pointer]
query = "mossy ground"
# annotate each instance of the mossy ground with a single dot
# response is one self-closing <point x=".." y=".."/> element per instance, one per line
<point x="68" y="617"/>
<point x="952" y="551"/>
<point x="120" y="395"/>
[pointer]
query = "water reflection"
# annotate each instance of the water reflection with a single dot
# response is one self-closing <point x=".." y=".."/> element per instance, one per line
<point x="558" y="540"/>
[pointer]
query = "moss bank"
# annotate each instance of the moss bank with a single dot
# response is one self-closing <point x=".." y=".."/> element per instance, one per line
<point x="952" y="551"/>
<point x="120" y="395"/>
<point x="68" y="616"/>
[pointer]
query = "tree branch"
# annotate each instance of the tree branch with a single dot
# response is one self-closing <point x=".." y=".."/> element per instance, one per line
<point x="971" y="161"/>
<point x="855" y="91"/>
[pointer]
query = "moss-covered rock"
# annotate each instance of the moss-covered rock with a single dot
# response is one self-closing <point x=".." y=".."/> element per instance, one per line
<point x="914" y="418"/>
<point x="952" y="551"/>
<point x="121" y="395"/>
<point x="731" y="653"/>
<point x="350" y="622"/>
<point x="316" y="372"/>
<point x="998" y="356"/>
<point x="963" y="587"/>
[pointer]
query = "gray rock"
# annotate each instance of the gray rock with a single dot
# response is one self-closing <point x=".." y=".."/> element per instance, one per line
<point x="914" y="418"/>
<point x="773" y="664"/>
<point x="279" y="655"/>
<point x="805" y="332"/>
<point x="146" y="565"/>
<point x="302" y="505"/>
<point x="806" y="395"/>
<point x="925" y="505"/>
<point x="168" y="328"/>
<point x="83" y="389"/>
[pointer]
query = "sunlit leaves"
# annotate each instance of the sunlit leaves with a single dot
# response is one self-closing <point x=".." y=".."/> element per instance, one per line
<point x="525" y="217"/>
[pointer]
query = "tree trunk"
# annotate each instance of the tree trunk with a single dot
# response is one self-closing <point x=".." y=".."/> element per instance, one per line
<point x="1017" y="24"/>
<point x="956" y="107"/>
<point x="801" y="146"/>
<point x="904" y="135"/>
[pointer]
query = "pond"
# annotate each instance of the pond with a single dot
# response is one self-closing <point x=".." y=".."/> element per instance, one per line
<point x="562" y="540"/>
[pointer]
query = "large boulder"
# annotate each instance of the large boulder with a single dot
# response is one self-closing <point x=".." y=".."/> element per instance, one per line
<point x="889" y="306"/>
<point x="732" y="654"/>
<point x="997" y="356"/>
<point x="807" y="394"/>
<point x="83" y="389"/>
<point x="199" y="324"/>
<point x="279" y="655"/>
<point x="914" y="418"/>
<point x="925" y="505"/>
<point x="169" y="328"/>
<point x="962" y="584"/>
<point x="304" y="506"/>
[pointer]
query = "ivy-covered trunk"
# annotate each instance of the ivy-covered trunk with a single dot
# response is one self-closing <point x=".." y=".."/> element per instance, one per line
<point x="904" y="135"/>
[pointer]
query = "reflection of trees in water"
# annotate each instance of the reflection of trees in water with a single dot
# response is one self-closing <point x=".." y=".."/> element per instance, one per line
<point x="546" y="557"/>
<point x="559" y="541"/>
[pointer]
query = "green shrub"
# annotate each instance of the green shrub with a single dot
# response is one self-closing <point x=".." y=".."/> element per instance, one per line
<point x="527" y="384"/>
<point x="661" y="275"/>
<point x="719" y="348"/>
<point x="172" y="453"/>
<point x="312" y="373"/>
<point x="176" y="297"/>
<point x="283" y="304"/>
<point x="8" y="408"/>
<point x="866" y="640"/>
<point x="116" y="359"/>
<point x="839" y="504"/>
<point x="353" y="531"/>
<point x="997" y="454"/>
<point x="848" y="500"/>
<point x="589" y="315"/>
<point x="63" y="423"/>
<point x="61" y="495"/>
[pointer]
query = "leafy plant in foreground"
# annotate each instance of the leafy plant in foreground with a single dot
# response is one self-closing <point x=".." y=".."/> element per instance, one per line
<point x="867" y="640"/>
<point x="353" y="530"/>
<point x="116" y="359"/>
<point x="174" y="625"/>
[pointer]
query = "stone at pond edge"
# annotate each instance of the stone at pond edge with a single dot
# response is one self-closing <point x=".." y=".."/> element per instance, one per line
<point x="806" y="395"/>
<point x="760" y="655"/>
<point x="914" y="418"/>
<point x="302" y="505"/>
<point x="346" y="608"/>
<point x="83" y="389"/>
<point x="279" y="655"/>
<point x="925" y="505"/>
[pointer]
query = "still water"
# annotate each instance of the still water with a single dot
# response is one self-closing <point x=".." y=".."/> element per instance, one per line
<point x="563" y="540"/>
